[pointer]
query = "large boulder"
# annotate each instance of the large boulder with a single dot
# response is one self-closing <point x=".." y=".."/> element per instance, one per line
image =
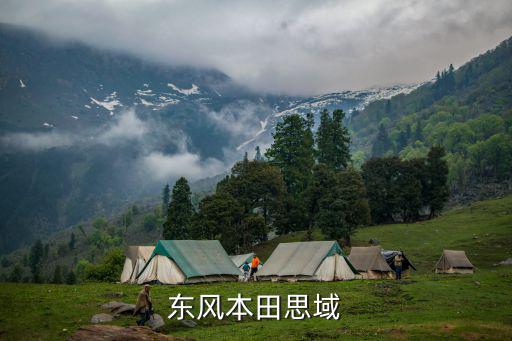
<point x="124" y="309"/>
<point x="156" y="322"/>
<point x="116" y="333"/>
<point x="100" y="318"/>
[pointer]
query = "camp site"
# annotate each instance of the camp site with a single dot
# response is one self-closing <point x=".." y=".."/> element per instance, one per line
<point x="255" y="170"/>
<point x="445" y="305"/>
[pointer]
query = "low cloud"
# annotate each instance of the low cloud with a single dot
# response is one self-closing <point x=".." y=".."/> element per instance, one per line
<point x="298" y="47"/>
<point x="37" y="141"/>
<point x="127" y="127"/>
<point x="163" y="167"/>
<point x="240" y="120"/>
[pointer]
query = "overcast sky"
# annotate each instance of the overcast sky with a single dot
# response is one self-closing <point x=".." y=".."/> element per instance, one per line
<point x="296" y="47"/>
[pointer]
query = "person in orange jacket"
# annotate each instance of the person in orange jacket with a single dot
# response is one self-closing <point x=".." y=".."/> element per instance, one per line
<point x="254" y="266"/>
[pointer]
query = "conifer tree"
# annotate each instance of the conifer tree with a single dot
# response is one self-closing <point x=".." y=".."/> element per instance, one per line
<point x="382" y="143"/>
<point x="437" y="184"/>
<point x="324" y="139"/>
<point x="340" y="141"/>
<point x="258" y="156"/>
<point x="36" y="261"/>
<point x="166" y="193"/>
<point x="180" y="211"/>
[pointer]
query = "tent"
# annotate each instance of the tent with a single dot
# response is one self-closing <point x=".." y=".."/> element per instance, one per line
<point x="136" y="258"/>
<point x="240" y="259"/>
<point x="308" y="261"/>
<point x="454" y="262"/>
<point x="188" y="261"/>
<point x="389" y="256"/>
<point x="370" y="262"/>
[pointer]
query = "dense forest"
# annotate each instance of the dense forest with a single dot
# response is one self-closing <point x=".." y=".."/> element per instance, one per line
<point x="467" y="111"/>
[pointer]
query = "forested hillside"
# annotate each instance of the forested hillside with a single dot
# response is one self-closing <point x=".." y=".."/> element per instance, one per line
<point x="468" y="111"/>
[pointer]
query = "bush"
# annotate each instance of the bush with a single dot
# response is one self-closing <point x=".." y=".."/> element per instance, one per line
<point x="108" y="270"/>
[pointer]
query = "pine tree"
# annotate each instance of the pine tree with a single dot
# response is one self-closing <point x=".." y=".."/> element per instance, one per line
<point x="340" y="141"/>
<point x="180" y="211"/>
<point x="293" y="152"/>
<point x="382" y="143"/>
<point x="258" y="156"/>
<point x="437" y="185"/>
<point x="72" y="241"/>
<point x="16" y="274"/>
<point x="57" y="275"/>
<point x="166" y="194"/>
<point x="324" y="139"/>
<point x="36" y="261"/>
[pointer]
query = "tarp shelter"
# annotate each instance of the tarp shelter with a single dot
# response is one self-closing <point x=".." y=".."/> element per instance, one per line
<point x="389" y="256"/>
<point x="240" y="259"/>
<point x="370" y="262"/>
<point x="308" y="261"/>
<point x="188" y="261"/>
<point x="136" y="258"/>
<point x="454" y="262"/>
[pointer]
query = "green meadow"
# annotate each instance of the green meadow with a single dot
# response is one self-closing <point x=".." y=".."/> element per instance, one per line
<point x="423" y="306"/>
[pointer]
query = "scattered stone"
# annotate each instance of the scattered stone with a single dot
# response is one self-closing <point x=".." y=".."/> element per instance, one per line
<point x="189" y="323"/>
<point x="100" y="318"/>
<point x="115" y="333"/>
<point x="124" y="309"/>
<point x="374" y="241"/>
<point x="156" y="322"/>
<point x="112" y="305"/>
<point x="506" y="262"/>
<point x="476" y="282"/>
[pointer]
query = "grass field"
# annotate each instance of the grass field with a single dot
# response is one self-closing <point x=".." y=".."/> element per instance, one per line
<point x="423" y="306"/>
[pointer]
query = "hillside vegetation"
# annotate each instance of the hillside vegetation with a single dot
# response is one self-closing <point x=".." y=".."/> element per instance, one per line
<point x="468" y="111"/>
<point x="425" y="305"/>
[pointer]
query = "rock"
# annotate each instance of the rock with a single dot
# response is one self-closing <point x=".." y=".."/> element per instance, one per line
<point x="115" y="333"/>
<point x="156" y="322"/>
<point x="189" y="323"/>
<point x="506" y="262"/>
<point x="112" y="305"/>
<point x="124" y="309"/>
<point x="374" y="241"/>
<point x="100" y="318"/>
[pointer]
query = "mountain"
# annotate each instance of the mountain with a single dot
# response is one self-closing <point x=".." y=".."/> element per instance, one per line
<point x="86" y="132"/>
<point x="468" y="111"/>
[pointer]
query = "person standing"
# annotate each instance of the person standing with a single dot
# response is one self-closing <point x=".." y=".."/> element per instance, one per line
<point x="254" y="266"/>
<point x="398" y="265"/>
<point x="246" y="268"/>
<point x="144" y="305"/>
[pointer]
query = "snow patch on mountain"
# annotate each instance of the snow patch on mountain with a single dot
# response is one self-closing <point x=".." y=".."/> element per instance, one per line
<point x="192" y="91"/>
<point x="110" y="102"/>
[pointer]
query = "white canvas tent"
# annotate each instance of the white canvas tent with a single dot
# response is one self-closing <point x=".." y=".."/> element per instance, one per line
<point x="188" y="261"/>
<point x="136" y="258"/>
<point x="454" y="262"/>
<point x="307" y="261"/>
<point x="240" y="259"/>
<point x="370" y="262"/>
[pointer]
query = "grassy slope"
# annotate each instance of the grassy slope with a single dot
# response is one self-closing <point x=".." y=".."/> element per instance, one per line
<point x="460" y="307"/>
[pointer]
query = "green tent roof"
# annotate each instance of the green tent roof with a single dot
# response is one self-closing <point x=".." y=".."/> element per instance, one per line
<point x="197" y="258"/>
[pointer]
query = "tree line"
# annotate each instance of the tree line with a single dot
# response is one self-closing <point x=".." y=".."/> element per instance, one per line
<point x="307" y="181"/>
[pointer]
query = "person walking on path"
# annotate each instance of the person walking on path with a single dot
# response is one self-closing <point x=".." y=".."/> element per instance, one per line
<point x="144" y="305"/>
